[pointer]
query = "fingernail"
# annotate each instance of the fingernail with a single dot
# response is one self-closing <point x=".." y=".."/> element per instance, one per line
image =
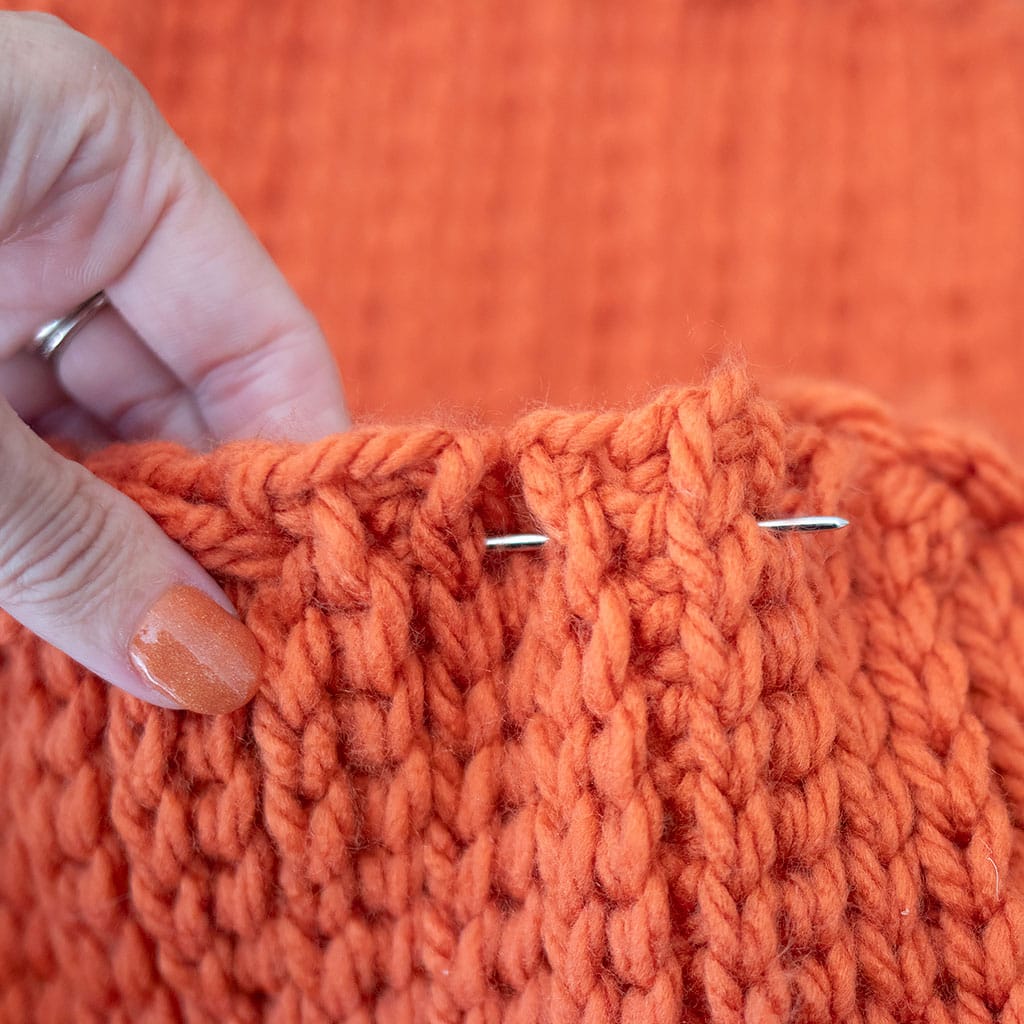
<point x="195" y="653"/>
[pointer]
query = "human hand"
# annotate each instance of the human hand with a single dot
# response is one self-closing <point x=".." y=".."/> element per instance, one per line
<point x="204" y="342"/>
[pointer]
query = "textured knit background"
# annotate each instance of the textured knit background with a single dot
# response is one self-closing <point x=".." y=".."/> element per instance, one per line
<point x="672" y="768"/>
<point x="491" y="204"/>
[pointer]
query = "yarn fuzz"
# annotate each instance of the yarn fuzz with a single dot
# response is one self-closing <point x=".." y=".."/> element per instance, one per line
<point x="670" y="768"/>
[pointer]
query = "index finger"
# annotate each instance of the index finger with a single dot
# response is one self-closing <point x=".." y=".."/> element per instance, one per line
<point x="98" y="193"/>
<point x="208" y="300"/>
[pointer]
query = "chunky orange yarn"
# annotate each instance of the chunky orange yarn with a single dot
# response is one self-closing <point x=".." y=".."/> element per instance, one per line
<point x="672" y="768"/>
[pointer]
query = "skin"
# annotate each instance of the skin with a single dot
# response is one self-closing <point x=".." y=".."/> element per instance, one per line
<point x="205" y="342"/>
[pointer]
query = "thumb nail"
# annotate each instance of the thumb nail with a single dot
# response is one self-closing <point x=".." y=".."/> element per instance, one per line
<point x="195" y="653"/>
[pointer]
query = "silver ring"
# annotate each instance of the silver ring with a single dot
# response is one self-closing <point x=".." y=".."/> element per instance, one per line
<point x="51" y="336"/>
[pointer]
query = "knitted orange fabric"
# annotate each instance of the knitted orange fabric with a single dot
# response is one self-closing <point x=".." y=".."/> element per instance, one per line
<point x="587" y="198"/>
<point x="671" y="768"/>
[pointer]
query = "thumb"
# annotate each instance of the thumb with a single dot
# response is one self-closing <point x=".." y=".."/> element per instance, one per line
<point x="85" y="568"/>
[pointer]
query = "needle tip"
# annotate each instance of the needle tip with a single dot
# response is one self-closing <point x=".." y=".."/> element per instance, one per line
<point x="804" y="524"/>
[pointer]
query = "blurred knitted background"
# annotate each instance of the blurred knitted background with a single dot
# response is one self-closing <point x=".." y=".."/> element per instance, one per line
<point x="490" y="205"/>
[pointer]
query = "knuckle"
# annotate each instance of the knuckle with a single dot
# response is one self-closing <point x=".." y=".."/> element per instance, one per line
<point x="224" y="377"/>
<point x="82" y="81"/>
<point x="88" y="74"/>
<point x="61" y="550"/>
<point x="48" y="38"/>
<point x="99" y="81"/>
<point x="146" y="416"/>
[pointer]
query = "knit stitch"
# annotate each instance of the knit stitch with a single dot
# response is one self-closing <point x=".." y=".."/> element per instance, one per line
<point x="670" y="768"/>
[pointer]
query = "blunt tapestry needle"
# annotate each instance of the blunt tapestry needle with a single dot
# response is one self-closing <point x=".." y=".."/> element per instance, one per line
<point x="804" y="524"/>
<point x="517" y="542"/>
<point x="799" y="524"/>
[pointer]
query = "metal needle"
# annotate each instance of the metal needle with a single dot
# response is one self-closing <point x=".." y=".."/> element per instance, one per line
<point x="517" y="542"/>
<point x="804" y="524"/>
<point x="799" y="524"/>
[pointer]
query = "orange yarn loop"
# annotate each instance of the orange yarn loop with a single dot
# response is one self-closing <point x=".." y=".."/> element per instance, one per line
<point x="671" y="769"/>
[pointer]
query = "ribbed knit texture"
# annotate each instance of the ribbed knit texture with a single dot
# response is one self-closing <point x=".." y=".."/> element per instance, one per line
<point x="493" y="204"/>
<point x="671" y="768"/>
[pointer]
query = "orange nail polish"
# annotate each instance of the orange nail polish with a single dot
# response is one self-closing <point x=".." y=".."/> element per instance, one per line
<point x="197" y="654"/>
